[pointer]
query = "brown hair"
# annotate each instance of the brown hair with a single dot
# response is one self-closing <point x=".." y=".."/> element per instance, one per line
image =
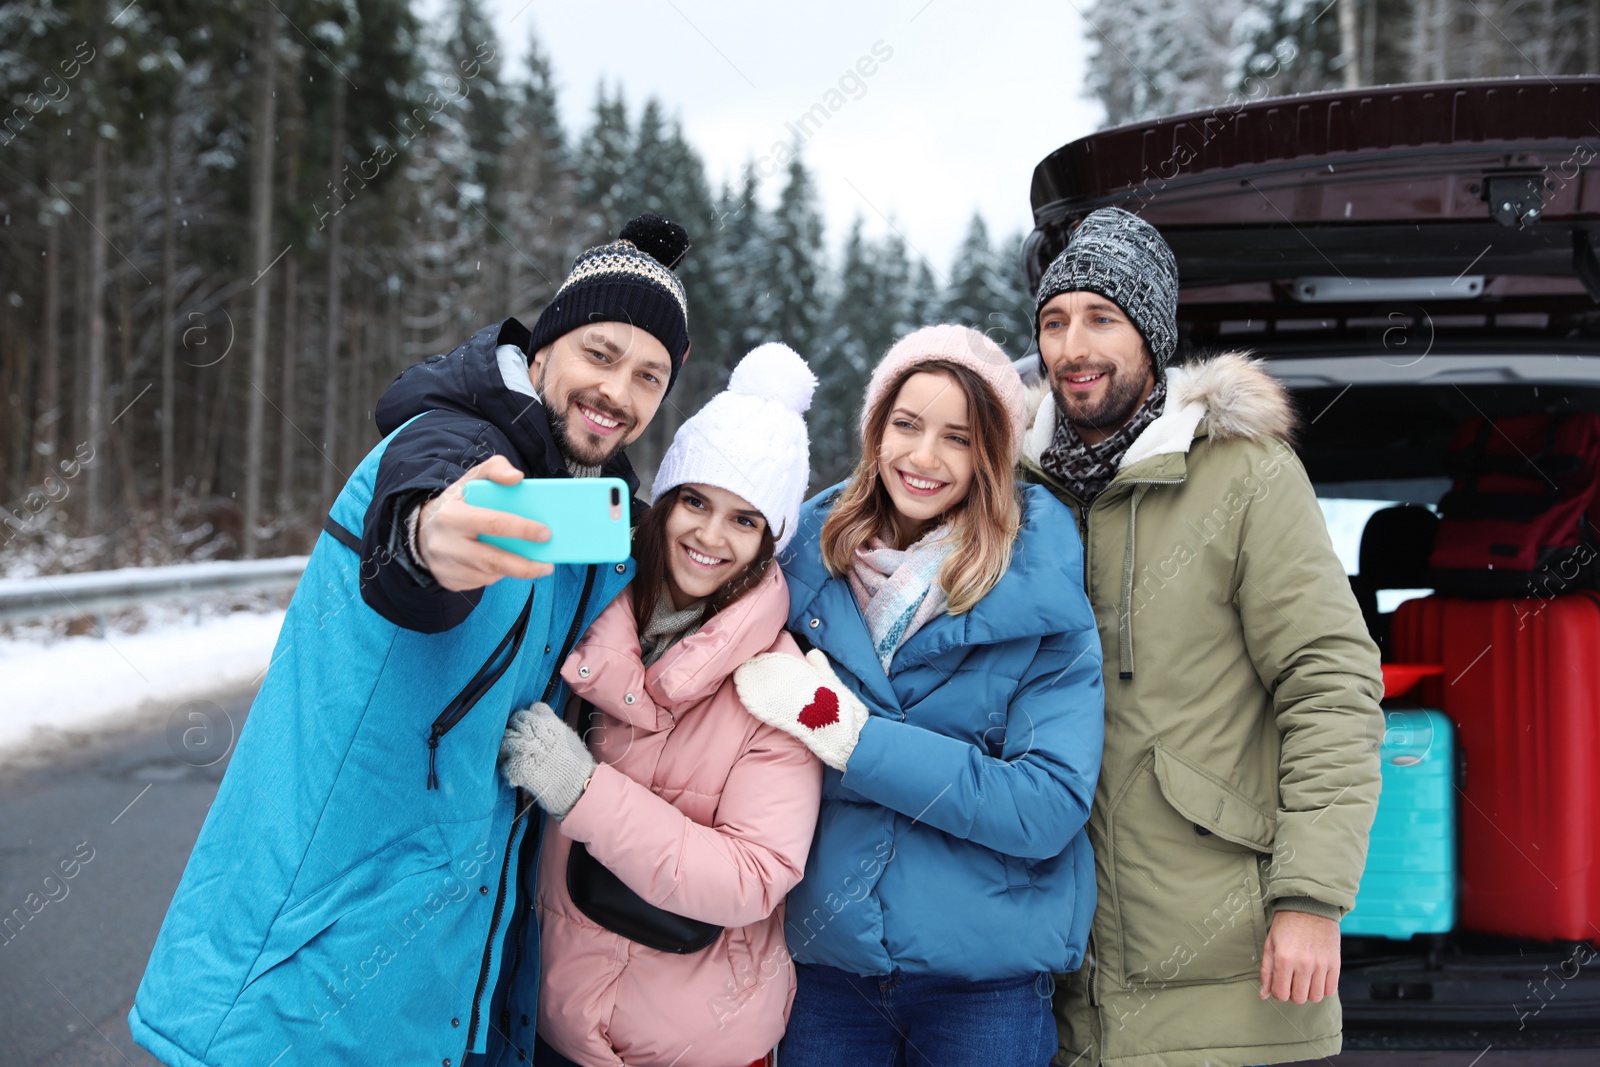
<point x="650" y="553"/>
<point x="984" y="525"/>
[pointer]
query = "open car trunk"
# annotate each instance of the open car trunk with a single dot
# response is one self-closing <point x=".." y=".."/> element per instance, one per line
<point x="1406" y="258"/>
<point x="1358" y="215"/>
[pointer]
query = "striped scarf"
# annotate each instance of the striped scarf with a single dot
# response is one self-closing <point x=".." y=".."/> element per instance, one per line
<point x="898" y="590"/>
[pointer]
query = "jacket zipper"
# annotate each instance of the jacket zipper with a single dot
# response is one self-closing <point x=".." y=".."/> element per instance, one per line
<point x="1137" y="487"/>
<point x="572" y="634"/>
<point x="524" y="906"/>
<point x="494" y="925"/>
<point x="1083" y="512"/>
<point x="1125" y="671"/>
<point x="480" y="683"/>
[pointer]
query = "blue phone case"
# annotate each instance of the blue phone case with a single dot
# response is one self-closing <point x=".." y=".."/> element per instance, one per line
<point x="578" y="511"/>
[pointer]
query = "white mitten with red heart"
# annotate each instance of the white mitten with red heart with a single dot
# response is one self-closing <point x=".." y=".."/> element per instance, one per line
<point x="804" y="699"/>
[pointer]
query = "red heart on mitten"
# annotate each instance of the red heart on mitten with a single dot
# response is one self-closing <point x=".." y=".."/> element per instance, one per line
<point x="822" y="711"/>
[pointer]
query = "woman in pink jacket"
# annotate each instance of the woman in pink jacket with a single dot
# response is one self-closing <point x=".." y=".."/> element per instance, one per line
<point x="702" y="813"/>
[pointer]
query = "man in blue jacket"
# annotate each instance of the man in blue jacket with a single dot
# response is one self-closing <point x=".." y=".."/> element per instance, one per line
<point x="360" y="891"/>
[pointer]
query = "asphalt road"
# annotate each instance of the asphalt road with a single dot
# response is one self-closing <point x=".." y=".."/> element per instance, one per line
<point x="122" y="812"/>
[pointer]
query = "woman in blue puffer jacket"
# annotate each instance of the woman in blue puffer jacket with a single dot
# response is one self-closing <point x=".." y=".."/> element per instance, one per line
<point x="954" y="690"/>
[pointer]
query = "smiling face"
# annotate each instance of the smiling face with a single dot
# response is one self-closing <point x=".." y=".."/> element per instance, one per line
<point x="601" y="384"/>
<point x="925" y="456"/>
<point x="711" y="536"/>
<point x="1100" y="371"/>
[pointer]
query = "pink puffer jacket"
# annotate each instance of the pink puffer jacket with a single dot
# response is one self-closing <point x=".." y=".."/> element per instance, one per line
<point x="702" y="810"/>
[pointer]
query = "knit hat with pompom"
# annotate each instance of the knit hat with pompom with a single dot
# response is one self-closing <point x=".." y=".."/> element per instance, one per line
<point x="751" y="440"/>
<point x="627" y="280"/>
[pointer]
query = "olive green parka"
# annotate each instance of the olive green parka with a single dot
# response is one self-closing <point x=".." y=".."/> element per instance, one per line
<point x="1242" y="728"/>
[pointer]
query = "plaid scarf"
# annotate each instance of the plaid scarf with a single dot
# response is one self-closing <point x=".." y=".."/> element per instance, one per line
<point x="1087" y="469"/>
<point x="899" y="591"/>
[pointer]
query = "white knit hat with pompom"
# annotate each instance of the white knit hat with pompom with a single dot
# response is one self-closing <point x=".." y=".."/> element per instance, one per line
<point x="751" y="440"/>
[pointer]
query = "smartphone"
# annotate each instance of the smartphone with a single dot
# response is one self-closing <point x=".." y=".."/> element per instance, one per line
<point x="587" y="517"/>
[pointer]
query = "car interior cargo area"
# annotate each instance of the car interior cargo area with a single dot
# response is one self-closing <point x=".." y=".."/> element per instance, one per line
<point x="1480" y="904"/>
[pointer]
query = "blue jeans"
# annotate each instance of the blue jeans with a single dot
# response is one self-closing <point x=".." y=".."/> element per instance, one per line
<point x="915" y="1020"/>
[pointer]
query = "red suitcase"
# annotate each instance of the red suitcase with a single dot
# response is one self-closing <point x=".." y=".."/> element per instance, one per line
<point x="1522" y="681"/>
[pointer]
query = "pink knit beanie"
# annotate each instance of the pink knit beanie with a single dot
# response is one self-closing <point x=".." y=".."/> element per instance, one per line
<point x="956" y="344"/>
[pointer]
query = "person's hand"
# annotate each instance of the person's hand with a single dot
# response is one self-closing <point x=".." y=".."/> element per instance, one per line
<point x="804" y="699"/>
<point x="448" y="529"/>
<point x="1300" y="960"/>
<point x="546" y="757"/>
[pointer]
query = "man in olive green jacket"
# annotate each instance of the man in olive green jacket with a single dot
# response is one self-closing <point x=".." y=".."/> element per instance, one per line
<point x="1241" y="767"/>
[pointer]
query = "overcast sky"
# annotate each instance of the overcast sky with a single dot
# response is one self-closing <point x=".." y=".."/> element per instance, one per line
<point x="967" y="101"/>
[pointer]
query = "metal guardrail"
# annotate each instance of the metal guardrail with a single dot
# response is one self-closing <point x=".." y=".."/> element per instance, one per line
<point x="83" y="594"/>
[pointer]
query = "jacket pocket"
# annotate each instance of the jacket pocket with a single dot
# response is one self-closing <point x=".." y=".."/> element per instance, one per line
<point x="421" y="852"/>
<point x="1212" y="804"/>
<point x="1183" y="848"/>
<point x="741" y="966"/>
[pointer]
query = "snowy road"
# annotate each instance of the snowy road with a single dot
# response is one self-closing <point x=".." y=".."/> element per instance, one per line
<point x="58" y="691"/>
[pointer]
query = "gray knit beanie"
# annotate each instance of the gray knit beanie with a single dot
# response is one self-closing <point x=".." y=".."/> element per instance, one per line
<point x="1124" y="259"/>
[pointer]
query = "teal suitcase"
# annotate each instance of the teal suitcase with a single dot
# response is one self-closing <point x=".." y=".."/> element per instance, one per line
<point x="1410" y="885"/>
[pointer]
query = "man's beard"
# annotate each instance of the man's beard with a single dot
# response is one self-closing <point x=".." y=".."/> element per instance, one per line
<point x="574" y="451"/>
<point x="1111" y="411"/>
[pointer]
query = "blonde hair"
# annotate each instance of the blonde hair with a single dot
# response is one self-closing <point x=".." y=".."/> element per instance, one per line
<point x="984" y="525"/>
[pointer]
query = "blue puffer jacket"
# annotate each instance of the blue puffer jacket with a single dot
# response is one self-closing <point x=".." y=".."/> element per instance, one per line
<point x="357" y="893"/>
<point x="954" y="842"/>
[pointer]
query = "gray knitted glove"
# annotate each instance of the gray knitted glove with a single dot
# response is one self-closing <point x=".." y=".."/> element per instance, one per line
<point x="546" y="757"/>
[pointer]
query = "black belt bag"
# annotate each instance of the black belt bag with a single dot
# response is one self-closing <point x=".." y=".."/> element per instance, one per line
<point x="603" y="898"/>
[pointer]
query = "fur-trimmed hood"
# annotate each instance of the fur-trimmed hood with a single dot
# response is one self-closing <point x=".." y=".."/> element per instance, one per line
<point x="1231" y="392"/>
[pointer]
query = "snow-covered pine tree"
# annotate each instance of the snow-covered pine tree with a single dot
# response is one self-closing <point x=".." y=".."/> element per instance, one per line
<point x="897" y="276"/>
<point x="1016" y="298"/>
<point x="665" y="176"/>
<point x="457" y="278"/>
<point x="795" y="268"/>
<point x="984" y="291"/>
<point x="924" y="297"/>
<point x="484" y="113"/>
<point x="536" y="191"/>
<point x="863" y="319"/>
<point x="1157" y="57"/>
<point x="743" y="253"/>
<point x="603" y="157"/>
<point x="688" y="201"/>
<point x="1288" y="47"/>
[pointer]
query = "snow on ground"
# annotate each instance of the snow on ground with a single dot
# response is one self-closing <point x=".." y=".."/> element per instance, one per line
<point x="77" y="684"/>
